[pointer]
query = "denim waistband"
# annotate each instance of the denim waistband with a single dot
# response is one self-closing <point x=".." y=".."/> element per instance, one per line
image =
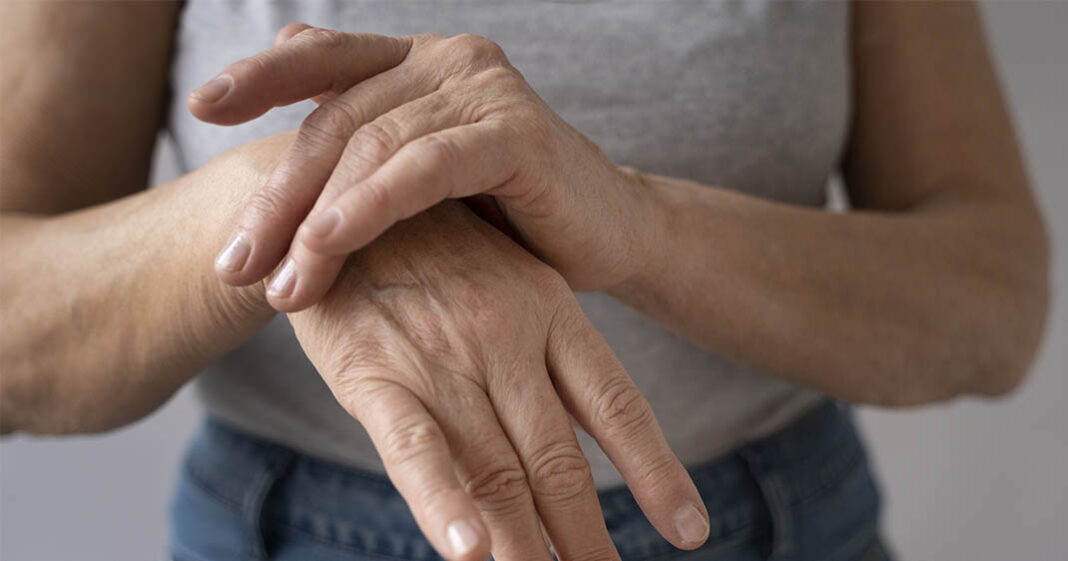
<point x="755" y="491"/>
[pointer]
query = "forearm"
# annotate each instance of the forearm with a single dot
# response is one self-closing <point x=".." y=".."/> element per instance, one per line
<point x="108" y="310"/>
<point x="874" y="307"/>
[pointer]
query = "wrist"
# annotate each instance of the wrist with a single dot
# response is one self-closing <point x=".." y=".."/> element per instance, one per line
<point x="224" y="186"/>
<point x="646" y="232"/>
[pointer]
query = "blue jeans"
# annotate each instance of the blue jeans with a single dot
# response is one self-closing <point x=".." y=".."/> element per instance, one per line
<point x="804" y="493"/>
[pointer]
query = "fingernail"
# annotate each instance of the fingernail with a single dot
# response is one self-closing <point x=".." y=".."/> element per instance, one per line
<point x="462" y="537"/>
<point x="282" y="284"/>
<point x="232" y="258"/>
<point x="324" y="222"/>
<point x="215" y="89"/>
<point x="690" y="524"/>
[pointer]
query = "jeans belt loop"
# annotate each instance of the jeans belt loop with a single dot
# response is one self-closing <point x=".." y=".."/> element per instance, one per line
<point x="776" y="499"/>
<point x="252" y="505"/>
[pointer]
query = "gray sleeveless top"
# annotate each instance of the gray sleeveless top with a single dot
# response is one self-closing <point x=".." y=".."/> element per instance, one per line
<point x="750" y="95"/>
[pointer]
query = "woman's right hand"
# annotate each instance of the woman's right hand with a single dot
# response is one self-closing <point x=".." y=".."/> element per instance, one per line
<point x="463" y="355"/>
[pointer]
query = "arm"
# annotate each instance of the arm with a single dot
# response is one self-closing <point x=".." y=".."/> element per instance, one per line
<point x="106" y="307"/>
<point x="936" y="285"/>
<point x="108" y="310"/>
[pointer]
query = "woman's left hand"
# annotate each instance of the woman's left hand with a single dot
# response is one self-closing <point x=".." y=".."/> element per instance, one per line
<point x="404" y="123"/>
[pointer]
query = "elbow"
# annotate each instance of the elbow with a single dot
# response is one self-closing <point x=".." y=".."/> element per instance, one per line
<point x="1013" y="340"/>
<point x="997" y="373"/>
<point x="988" y="349"/>
<point x="1005" y="364"/>
<point x="1012" y="303"/>
<point x="1009" y="356"/>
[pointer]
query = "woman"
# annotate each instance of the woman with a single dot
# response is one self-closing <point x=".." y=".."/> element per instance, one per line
<point x="737" y="306"/>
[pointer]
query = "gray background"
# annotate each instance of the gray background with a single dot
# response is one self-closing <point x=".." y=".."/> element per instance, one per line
<point x="970" y="480"/>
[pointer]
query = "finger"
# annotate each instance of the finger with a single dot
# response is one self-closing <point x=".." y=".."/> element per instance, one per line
<point x="602" y="397"/>
<point x="270" y="219"/>
<point x="419" y="463"/>
<point x="452" y="163"/>
<point x="491" y="474"/>
<point x="302" y="279"/>
<point x="311" y="62"/>
<point x="379" y="139"/>
<point x="558" y="473"/>
<point x="287" y="32"/>
<point x="310" y="273"/>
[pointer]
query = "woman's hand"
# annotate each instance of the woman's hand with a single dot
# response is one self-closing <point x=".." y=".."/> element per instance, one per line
<point x="405" y="123"/>
<point x="459" y="352"/>
<point x="463" y="355"/>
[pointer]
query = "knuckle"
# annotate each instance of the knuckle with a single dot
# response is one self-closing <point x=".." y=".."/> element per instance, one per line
<point x="376" y="195"/>
<point x="504" y="88"/>
<point x="659" y="473"/>
<point x="560" y="471"/>
<point x="437" y="152"/>
<point x="499" y="488"/>
<point x="374" y="142"/>
<point x="548" y="279"/>
<point x="477" y="48"/>
<point x="322" y="38"/>
<point x="288" y="31"/>
<point x="551" y="290"/>
<point x="349" y="357"/>
<point x="410" y="440"/>
<point x="621" y="408"/>
<point x="270" y="203"/>
<point x="331" y="121"/>
<point x="500" y="78"/>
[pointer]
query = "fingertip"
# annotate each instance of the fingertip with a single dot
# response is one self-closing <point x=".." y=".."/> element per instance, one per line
<point x="234" y="255"/>
<point x="323" y="223"/>
<point x="691" y="526"/>
<point x="204" y="99"/>
<point x="675" y="507"/>
<point x="467" y="539"/>
<point x="243" y="261"/>
<point x="283" y="287"/>
<point x="220" y="102"/>
<point x="330" y="233"/>
<point x="302" y="280"/>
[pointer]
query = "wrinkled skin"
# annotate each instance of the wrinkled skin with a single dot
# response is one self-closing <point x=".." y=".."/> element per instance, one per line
<point x="442" y="309"/>
<point x="406" y="122"/>
<point x="463" y="355"/>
